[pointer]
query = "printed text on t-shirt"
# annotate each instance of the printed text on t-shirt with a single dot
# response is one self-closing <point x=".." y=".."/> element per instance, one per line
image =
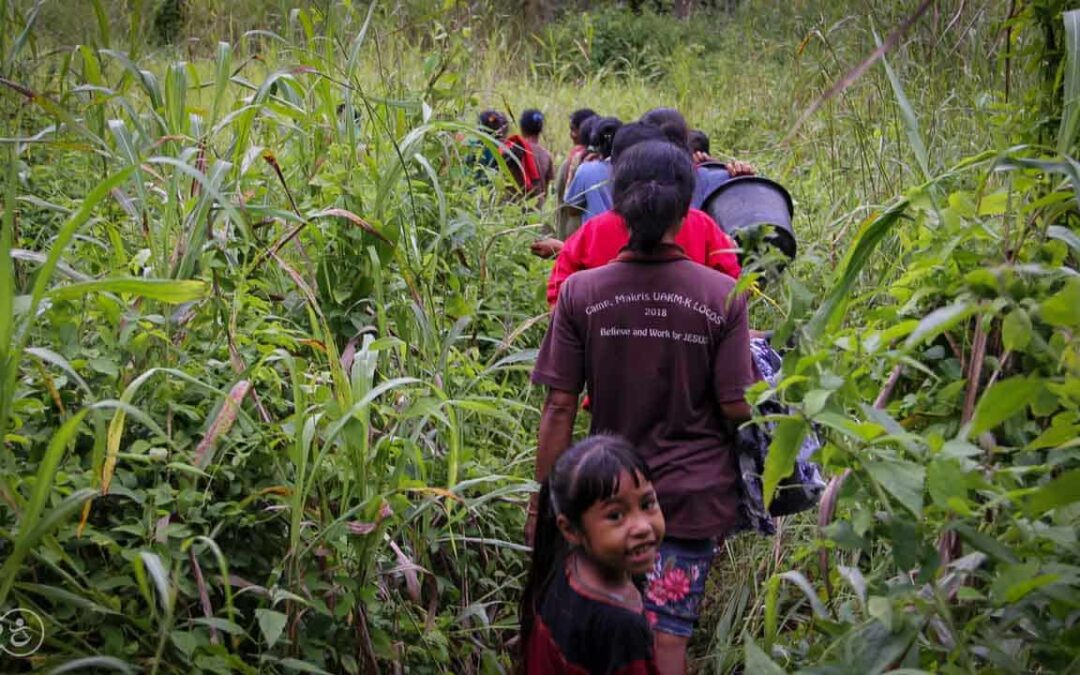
<point x="655" y="297"/>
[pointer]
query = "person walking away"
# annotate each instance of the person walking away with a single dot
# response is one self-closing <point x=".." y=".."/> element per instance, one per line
<point x="567" y="219"/>
<point x="589" y="191"/>
<point x="599" y="241"/>
<point x="661" y="343"/>
<point x="494" y="123"/>
<point x="515" y="151"/>
<point x="709" y="173"/>
<point x="599" y="526"/>
<point x="532" y="125"/>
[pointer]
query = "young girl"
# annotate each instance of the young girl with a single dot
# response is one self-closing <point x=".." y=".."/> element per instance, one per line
<point x="599" y="526"/>
<point x="661" y="343"/>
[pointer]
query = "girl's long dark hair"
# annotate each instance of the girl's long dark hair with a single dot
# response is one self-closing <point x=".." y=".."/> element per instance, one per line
<point x="583" y="475"/>
<point x="651" y="187"/>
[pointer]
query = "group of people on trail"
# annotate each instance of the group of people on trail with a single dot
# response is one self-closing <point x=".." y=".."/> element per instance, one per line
<point x="646" y="320"/>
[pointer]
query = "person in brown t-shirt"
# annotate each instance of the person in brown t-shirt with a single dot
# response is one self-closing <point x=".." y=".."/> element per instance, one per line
<point x="661" y="343"/>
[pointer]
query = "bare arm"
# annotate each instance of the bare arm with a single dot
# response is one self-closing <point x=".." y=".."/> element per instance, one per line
<point x="556" y="429"/>
<point x="736" y="411"/>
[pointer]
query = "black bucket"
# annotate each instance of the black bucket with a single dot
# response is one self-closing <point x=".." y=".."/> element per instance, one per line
<point x="750" y="203"/>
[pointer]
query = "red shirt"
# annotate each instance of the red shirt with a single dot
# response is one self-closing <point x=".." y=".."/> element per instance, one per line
<point x="600" y="239"/>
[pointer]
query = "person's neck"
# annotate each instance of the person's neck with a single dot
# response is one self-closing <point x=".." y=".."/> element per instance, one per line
<point x="669" y="237"/>
<point x="598" y="577"/>
<point x="531" y="139"/>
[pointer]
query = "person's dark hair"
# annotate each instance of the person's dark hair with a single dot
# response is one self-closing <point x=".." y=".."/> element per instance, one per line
<point x="583" y="475"/>
<point x="493" y="122"/>
<point x="651" y="187"/>
<point x="532" y="122"/>
<point x="602" y="134"/>
<point x="672" y="123"/>
<point x="630" y="135"/>
<point x="579" y="116"/>
<point x="699" y="141"/>
<point x="586" y="129"/>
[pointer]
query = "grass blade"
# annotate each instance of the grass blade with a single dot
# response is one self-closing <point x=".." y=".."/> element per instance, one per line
<point x="43" y="482"/>
<point x="1070" y="114"/>
<point x="164" y="290"/>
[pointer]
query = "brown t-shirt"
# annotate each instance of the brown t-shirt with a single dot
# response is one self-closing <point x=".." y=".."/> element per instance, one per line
<point x="660" y="341"/>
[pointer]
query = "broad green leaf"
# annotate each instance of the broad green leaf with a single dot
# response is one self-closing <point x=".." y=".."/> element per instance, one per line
<point x="166" y="290"/>
<point x="945" y="481"/>
<point x="881" y="609"/>
<point x="1016" y="330"/>
<point x="984" y="543"/>
<point x="223" y="625"/>
<point x="815" y="400"/>
<point x="271" y="623"/>
<point x="780" y="460"/>
<point x="902" y="480"/>
<point x="1003" y="400"/>
<point x="186" y="641"/>
<point x="941" y="320"/>
<point x="994" y="204"/>
<point x="1066" y="235"/>
<point x="1063" y="308"/>
<point x="1014" y="582"/>
<point x="302" y="666"/>
<point x="1063" y="490"/>
<point x="873" y="648"/>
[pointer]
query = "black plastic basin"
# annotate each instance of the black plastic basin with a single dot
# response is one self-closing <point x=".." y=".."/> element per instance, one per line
<point x="752" y="202"/>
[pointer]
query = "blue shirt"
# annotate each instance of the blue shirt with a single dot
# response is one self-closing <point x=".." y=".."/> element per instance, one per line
<point x="590" y="189"/>
<point x="708" y="176"/>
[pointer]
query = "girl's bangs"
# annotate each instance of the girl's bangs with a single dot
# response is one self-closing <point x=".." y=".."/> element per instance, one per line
<point x="597" y="476"/>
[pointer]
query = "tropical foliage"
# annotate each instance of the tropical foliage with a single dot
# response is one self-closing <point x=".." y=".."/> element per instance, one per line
<point x="265" y="331"/>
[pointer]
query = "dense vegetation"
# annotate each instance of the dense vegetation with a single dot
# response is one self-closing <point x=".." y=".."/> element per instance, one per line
<point x="265" y="338"/>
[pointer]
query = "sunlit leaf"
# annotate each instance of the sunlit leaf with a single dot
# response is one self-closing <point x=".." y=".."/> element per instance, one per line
<point x="1003" y="400"/>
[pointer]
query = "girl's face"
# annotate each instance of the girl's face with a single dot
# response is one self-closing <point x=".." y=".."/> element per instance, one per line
<point x="621" y="534"/>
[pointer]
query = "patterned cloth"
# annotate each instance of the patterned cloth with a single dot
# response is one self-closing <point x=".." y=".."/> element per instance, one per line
<point x="798" y="492"/>
<point x="676" y="585"/>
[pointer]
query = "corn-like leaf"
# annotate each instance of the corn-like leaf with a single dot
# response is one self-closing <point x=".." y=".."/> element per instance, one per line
<point x="784" y="448"/>
<point x="164" y="290"/>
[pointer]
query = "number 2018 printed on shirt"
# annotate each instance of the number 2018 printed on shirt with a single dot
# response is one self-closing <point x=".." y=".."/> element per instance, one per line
<point x="656" y="311"/>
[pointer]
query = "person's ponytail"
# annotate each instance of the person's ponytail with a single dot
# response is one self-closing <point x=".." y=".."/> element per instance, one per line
<point x="549" y="548"/>
<point x="652" y="185"/>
